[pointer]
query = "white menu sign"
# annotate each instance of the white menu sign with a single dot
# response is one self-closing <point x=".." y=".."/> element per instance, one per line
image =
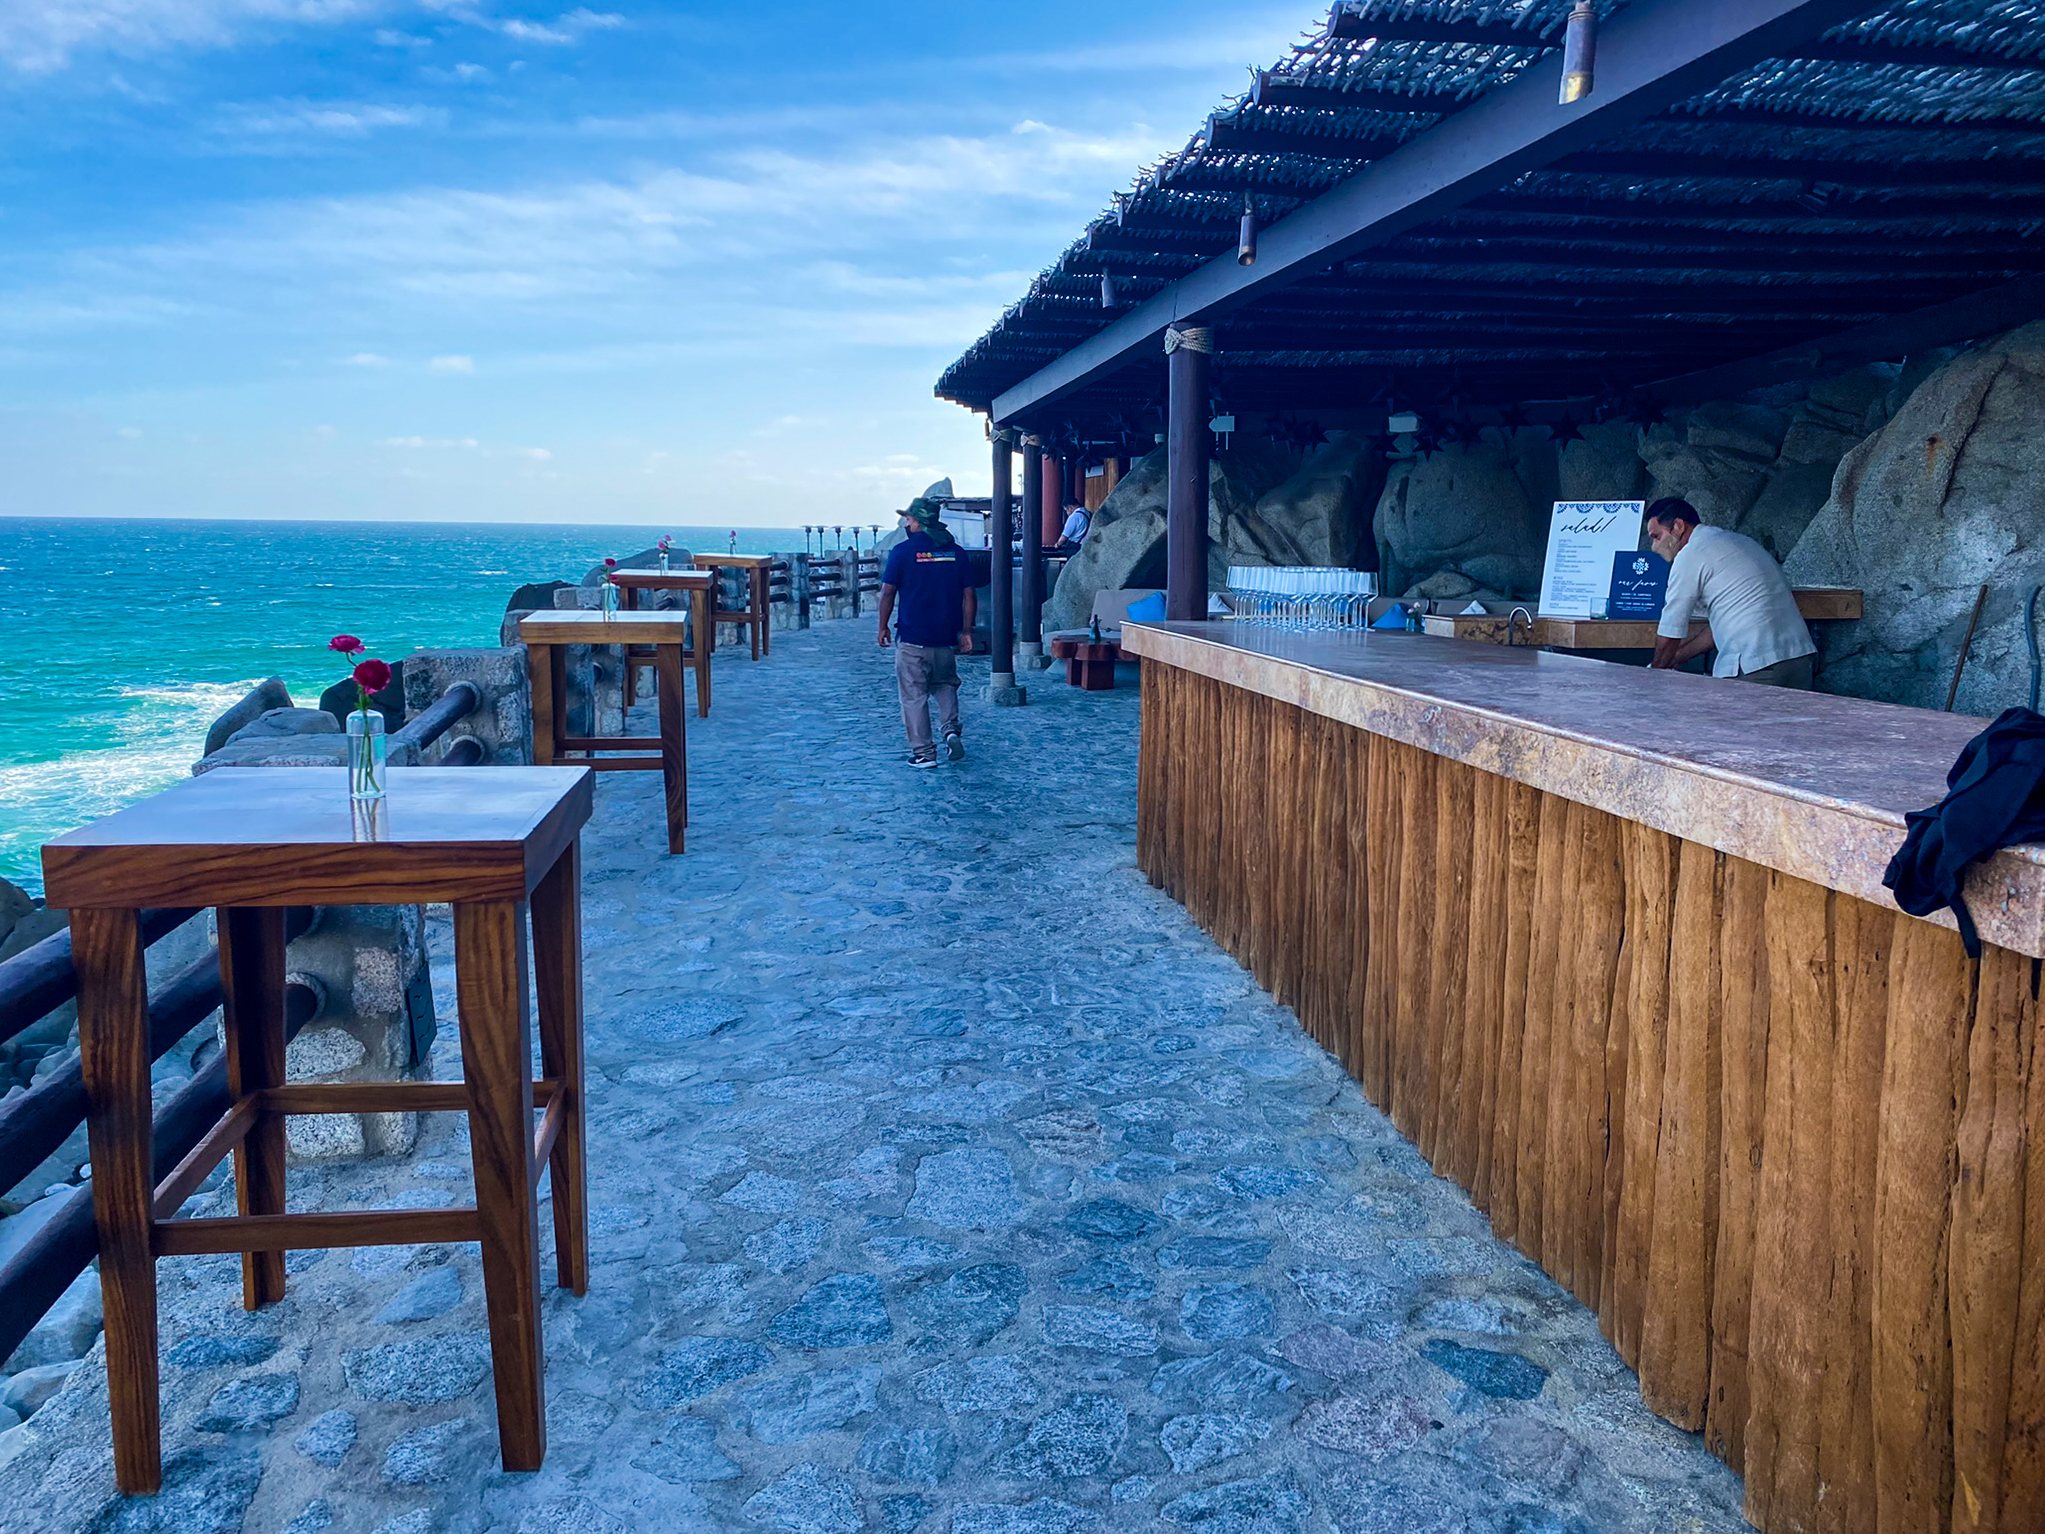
<point x="1576" y="578"/>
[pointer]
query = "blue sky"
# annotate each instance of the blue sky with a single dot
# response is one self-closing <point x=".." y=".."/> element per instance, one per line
<point x="624" y="263"/>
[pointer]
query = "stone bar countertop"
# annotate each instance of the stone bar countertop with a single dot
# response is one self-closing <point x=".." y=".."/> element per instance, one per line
<point x="1809" y="784"/>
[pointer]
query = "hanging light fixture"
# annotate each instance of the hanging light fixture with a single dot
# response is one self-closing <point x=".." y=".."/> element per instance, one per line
<point x="1108" y="299"/>
<point x="1246" y="241"/>
<point x="1579" y="52"/>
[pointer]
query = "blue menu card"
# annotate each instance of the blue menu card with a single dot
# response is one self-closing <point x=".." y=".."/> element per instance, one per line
<point x="1640" y="581"/>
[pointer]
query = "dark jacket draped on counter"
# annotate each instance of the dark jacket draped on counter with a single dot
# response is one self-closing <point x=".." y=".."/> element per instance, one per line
<point x="1992" y="800"/>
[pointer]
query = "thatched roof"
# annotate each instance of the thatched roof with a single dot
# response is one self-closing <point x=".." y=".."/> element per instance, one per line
<point x="1897" y="162"/>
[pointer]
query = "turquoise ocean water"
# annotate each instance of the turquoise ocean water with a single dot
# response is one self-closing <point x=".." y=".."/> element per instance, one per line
<point x="121" y="641"/>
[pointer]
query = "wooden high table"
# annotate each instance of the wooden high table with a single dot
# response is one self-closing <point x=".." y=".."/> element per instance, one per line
<point x="756" y="567"/>
<point x="696" y="585"/>
<point x="1611" y="947"/>
<point x="547" y="635"/>
<point x="495" y="842"/>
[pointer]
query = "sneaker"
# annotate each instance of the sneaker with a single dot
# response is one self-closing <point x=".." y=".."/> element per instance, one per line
<point x="922" y="761"/>
<point x="954" y="748"/>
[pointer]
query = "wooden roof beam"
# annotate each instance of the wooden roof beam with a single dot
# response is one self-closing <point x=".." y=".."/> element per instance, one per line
<point x="1687" y="165"/>
<point x="1273" y="90"/>
<point x="1940" y="263"/>
<point x="1982" y="313"/>
<point x="1650" y="56"/>
<point x="1230" y="135"/>
<point x="1345" y="21"/>
<point x="1234" y="135"/>
<point x="1650" y="211"/>
<point x="1854" y="50"/>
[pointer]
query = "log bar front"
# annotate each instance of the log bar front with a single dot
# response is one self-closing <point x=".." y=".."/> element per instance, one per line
<point x="1611" y="947"/>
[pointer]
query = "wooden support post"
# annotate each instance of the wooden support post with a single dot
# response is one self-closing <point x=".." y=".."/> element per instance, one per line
<point x="491" y="980"/>
<point x="1029" y="628"/>
<point x="1186" y="444"/>
<point x="252" y="993"/>
<point x="1001" y="688"/>
<point x="113" y="1036"/>
<point x="1056" y="472"/>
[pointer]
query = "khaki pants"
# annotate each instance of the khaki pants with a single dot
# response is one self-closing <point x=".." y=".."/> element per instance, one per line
<point x="1784" y="673"/>
<point x="924" y="672"/>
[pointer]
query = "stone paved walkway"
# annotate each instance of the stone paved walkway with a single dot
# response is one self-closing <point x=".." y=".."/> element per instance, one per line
<point x="946" y="1178"/>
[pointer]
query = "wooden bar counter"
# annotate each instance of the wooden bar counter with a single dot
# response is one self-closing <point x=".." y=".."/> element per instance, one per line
<point x="1611" y="947"/>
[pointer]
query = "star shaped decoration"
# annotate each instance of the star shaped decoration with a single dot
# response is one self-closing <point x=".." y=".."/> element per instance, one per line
<point x="1565" y="430"/>
<point x="1425" y="444"/>
<point x="1511" y="419"/>
<point x="1385" y="445"/>
<point x="1458" y="432"/>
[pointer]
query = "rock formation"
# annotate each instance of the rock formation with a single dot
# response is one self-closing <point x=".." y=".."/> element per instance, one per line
<point x="1267" y="505"/>
<point x="265" y="695"/>
<point x="1467" y="513"/>
<point x="1948" y="495"/>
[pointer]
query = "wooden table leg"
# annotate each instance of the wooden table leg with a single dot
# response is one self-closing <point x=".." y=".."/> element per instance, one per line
<point x="630" y="603"/>
<point x="674" y="746"/>
<point x="705" y="637"/>
<point x="549" y="698"/>
<point x="252" y="989"/>
<point x="757" y="586"/>
<point x="557" y="974"/>
<point x="113" y="1037"/>
<point x="490" y="984"/>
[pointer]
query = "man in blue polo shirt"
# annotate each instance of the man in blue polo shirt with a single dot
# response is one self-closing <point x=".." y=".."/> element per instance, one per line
<point x="929" y="574"/>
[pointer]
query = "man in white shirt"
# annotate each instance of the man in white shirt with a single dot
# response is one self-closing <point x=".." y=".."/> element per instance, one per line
<point x="1750" y="613"/>
<point x="1074" y="531"/>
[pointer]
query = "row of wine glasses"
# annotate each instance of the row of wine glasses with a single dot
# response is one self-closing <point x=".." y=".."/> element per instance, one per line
<point x="1301" y="598"/>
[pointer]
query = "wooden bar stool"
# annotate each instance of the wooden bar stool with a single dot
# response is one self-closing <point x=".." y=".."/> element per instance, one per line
<point x="753" y="616"/>
<point x="696" y="584"/>
<point x="547" y="636"/>
<point x="495" y="842"/>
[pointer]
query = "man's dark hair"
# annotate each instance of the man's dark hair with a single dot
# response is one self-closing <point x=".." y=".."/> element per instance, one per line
<point x="1672" y="509"/>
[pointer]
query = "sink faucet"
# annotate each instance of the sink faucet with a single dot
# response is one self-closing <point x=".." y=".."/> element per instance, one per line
<point x="1512" y="625"/>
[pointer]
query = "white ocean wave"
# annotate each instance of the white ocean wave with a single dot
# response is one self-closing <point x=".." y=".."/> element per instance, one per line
<point x="161" y="733"/>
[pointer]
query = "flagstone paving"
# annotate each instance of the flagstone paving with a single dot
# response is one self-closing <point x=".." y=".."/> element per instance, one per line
<point x="945" y="1178"/>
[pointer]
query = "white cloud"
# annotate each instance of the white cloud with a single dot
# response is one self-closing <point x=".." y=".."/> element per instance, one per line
<point x="347" y="119"/>
<point x="562" y="32"/>
<point x="431" y="442"/>
<point x="453" y="364"/>
<point x="388" y="38"/>
<point x="366" y="360"/>
<point x="537" y="454"/>
<point x="38" y="36"/>
<point x="130" y="432"/>
<point x="849" y="213"/>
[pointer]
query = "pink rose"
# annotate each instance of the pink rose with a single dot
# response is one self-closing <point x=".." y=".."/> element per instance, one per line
<point x="372" y="675"/>
<point x="347" y="644"/>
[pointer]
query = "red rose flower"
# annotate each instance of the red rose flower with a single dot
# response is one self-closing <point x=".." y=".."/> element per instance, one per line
<point x="372" y="676"/>
<point x="610" y="564"/>
<point x="347" y="644"/>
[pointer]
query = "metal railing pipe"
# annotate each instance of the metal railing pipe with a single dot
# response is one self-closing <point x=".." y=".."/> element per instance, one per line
<point x="39" y="979"/>
<point x="459" y="701"/>
<point x="35" y="1123"/>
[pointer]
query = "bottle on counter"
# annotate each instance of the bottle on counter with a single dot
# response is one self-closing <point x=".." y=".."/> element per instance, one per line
<point x="1094" y="629"/>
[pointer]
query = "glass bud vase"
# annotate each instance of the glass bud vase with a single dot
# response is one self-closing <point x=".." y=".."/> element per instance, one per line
<point x="663" y="561"/>
<point x="610" y="599"/>
<point x="368" y="753"/>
